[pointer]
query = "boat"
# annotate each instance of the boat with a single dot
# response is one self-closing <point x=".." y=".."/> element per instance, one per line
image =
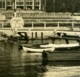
<point x="37" y="49"/>
<point x="49" y="47"/>
<point x="61" y="45"/>
<point x="66" y="36"/>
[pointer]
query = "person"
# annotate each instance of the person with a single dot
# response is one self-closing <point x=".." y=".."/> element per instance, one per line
<point x="44" y="58"/>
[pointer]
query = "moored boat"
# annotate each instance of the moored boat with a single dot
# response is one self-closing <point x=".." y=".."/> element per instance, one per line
<point x="61" y="45"/>
<point x="38" y="50"/>
<point x="49" y="47"/>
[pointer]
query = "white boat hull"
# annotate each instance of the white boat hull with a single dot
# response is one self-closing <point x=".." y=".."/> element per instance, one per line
<point x="35" y="50"/>
<point x="49" y="47"/>
<point x="61" y="45"/>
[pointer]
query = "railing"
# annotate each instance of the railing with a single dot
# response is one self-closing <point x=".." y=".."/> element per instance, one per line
<point x="41" y="25"/>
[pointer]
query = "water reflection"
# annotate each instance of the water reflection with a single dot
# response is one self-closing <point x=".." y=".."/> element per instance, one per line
<point x="4" y="60"/>
<point x="16" y="63"/>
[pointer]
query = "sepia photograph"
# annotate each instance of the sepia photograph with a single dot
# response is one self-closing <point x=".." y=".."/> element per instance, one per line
<point x="39" y="38"/>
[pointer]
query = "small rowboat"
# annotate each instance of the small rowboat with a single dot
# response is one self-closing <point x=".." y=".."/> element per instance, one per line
<point x="38" y="50"/>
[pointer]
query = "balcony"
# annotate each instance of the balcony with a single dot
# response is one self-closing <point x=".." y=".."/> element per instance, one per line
<point x="37" y="14"/>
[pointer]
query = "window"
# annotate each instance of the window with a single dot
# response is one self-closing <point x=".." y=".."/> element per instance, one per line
<point x="36" y="7"/>
<point x="37" y="4"/>
<point x="9" y="4"/>
<point x="20" y="4"/>
<point x="2" y="4"/>
<point x="29" y="7"/>
<point x="29" y="4"/>
<point x="37" y="0"/>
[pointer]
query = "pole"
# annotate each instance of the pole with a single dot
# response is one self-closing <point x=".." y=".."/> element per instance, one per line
<point x="14" y="1"/>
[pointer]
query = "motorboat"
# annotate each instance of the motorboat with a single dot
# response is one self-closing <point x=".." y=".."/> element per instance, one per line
<point x="66" y="36"/>
<point x="61" y="45"/>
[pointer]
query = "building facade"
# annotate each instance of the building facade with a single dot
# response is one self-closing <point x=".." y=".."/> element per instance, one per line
<point x="21" y="4"/>
<point x="40" y="22"/>
<point x="45" y="5"/>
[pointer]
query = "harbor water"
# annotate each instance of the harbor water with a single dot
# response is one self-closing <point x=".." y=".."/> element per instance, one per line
<point x="17" y="63"/>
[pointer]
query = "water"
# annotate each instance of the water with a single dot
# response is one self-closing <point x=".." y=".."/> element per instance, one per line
<point x="17" y="63"/>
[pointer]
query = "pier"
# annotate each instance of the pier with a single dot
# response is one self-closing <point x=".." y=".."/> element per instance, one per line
<point x="39" y="38"/>
<point x="38" y="24"/>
